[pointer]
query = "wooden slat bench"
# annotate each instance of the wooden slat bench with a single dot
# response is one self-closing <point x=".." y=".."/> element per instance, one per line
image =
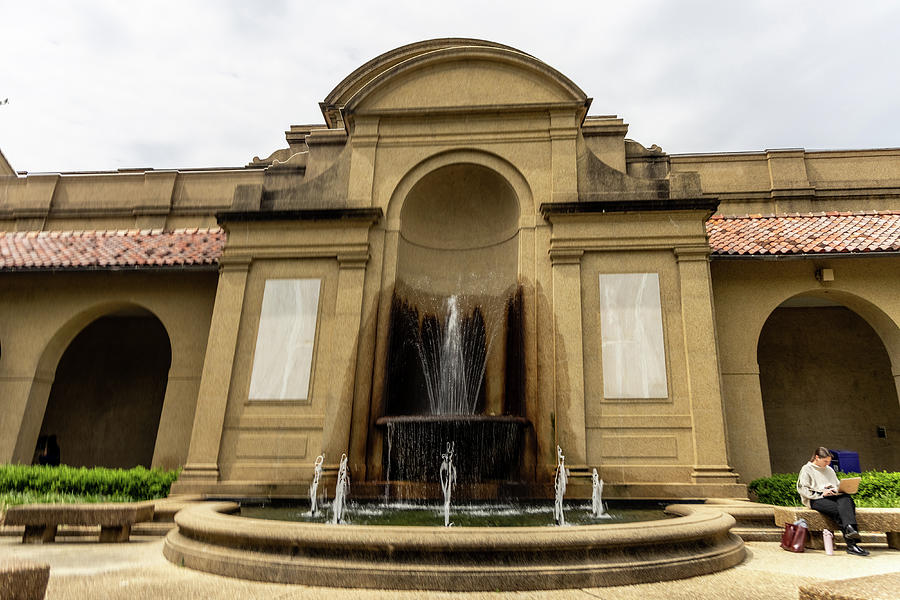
<point x="23" y="579"/>
<point x="115" y="519"/>
<point x="869" y="519"/>
<point x="872" y="587"/>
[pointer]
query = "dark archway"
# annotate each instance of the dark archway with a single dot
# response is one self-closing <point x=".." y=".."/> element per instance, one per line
<point x="825" y="378"/>
<point x="107" y="396"/>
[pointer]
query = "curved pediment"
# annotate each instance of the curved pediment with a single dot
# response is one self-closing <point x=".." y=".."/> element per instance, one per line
<point x="451" y="73"/>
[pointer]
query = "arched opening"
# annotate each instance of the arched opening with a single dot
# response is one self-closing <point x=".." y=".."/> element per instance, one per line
<point x="107" y="396"/>
<point x="455" y="353"/>
<point x="825" y="378"/>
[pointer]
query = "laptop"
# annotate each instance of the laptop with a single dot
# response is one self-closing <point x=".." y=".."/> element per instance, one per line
<point x="849" y="485"/>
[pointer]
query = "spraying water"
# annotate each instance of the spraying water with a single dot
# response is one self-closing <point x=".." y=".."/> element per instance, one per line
<point x="559" y="484"/>
<point x="453" y="362"/>
<point x="314" y="486"/>
<point x="341" y="492"/>
<point x="598" y="511"/>
<point x="448" y="479"/>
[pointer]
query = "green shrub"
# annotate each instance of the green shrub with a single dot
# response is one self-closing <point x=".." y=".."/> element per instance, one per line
<point x="876" y="489"/>
<point x="137" y="483"/>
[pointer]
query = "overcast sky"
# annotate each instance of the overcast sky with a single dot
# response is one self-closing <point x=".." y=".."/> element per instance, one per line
<point x="97" y="85"/>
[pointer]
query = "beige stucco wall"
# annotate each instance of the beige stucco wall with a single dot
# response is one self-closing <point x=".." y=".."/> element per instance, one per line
<point x="40" y="313"/>
<point x="796" y="180"/>
<point x="746" y="293"/>
<point x="145" y="199"/>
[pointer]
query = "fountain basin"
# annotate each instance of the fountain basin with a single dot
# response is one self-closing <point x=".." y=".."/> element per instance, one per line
<point x="487" y="447"/>
<point x="453" y="559"/>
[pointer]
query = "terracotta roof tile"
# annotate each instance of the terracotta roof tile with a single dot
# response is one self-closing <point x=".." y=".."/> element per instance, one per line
<point x="819" y="233"/>
<point x="130" y="248"/>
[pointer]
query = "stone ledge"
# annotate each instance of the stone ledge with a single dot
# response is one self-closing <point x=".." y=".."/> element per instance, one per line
<point x="42" y="521"/>
<point x="103" y="514"/>
<point x="873" y="587"/>
<point x="871" y="519"/>
<point x="23" y="579"/>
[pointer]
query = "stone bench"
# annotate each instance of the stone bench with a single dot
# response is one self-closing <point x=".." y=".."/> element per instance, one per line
<point x="869" y="519"/>
<point x="42" y="520"/>
<point x="23" y="579"/>
<point x="873" y="587"/>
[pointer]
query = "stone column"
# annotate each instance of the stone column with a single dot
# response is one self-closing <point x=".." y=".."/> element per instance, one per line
<point x="24" y="399"/>
<point x="568" y="361"/>
<point x="347" y="318"/>
<point x="748" y="450"/>
<point x="202" y="466"/>
<point x="710" y="455"/>
<point x="173" y="438"/>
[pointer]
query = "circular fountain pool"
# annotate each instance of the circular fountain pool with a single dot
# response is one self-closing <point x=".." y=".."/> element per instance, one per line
<point x="474" y="514"/>
<point x="211" y="538"/>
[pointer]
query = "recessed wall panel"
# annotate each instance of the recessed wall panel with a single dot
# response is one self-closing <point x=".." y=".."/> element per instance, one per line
<point x="631" y="331"/>
<point x="282" y="361"/>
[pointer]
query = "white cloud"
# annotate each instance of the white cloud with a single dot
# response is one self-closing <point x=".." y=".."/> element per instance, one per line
<point x="101" y="85"/>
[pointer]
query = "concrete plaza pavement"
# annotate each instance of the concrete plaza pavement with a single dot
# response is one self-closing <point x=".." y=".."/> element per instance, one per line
<point x="81" y="568"/>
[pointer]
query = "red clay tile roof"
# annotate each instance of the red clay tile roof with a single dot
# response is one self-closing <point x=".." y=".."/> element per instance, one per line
<point x="752" y="235"/>
<point x="820" y="233"/>
<point x="110" y="249"/>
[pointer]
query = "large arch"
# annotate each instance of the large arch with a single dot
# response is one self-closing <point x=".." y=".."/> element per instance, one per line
<point x="825" y="372"/>
<point x="52" y="357"/>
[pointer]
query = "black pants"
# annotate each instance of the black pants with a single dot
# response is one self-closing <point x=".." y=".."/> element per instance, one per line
<point x="840" y="508"/>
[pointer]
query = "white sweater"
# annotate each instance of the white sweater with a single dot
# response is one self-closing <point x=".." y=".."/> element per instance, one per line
<point x="813" y="481"/>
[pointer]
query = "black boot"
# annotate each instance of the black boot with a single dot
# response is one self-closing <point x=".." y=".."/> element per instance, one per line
<point x="850" y="534"/>
<point x="852" y="548"/>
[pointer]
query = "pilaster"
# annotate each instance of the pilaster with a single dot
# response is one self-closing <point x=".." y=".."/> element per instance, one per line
<point x="701" y="356"/>
<point x="568" y="354"/>
<point x="202" y="463"/>
<point x="348" y="317"/>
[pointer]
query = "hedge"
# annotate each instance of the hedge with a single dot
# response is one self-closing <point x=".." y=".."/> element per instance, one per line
<point x="876" y="488"/>
<point x="138" y="483"/>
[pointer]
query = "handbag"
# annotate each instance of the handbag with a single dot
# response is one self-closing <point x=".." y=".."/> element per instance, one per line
<point x="794" y="537"/>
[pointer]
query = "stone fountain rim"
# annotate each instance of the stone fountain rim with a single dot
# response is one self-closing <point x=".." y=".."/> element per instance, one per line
<point x="209" y="520"/>
<point x="453" y="559"/>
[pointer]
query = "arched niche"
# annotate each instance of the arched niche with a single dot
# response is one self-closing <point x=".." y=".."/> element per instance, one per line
<point x="458" y="228"/>
<point x="826" y="379"/>
<point x="107" y="395"/>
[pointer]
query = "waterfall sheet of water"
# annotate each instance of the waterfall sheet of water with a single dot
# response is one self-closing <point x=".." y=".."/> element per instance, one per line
<point x="485" y="448"/>
<point x="314" y="486"/>
<point x="559" y="485"/>
<point x="453" y="361"/>
<point x="341" y="492"/>
<point x="598" y="511"/>
<point x="448" y="479"/>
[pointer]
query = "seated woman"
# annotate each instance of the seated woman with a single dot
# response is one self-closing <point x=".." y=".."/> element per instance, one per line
<point x="817" y="486"/>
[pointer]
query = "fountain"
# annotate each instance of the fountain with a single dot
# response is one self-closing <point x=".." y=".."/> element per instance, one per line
<point x="341" y="491"/>
<point x="598" y="510"/>
<point x="559" y="486"/>
<point x="314" y="486"/>
<point x="449" y="355"/>
<point x="448" y="479"/>
<point x="435" y="388"/>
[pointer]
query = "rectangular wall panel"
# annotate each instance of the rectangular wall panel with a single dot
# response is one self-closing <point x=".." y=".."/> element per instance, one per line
<point x="631" y="328"/>
<point x="282" y="361"/>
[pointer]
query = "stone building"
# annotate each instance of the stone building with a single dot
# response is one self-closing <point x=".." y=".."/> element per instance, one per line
<point x="682" y="323"/>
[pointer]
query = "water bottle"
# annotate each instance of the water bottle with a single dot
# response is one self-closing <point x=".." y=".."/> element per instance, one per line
<point x="828" y="537"/>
